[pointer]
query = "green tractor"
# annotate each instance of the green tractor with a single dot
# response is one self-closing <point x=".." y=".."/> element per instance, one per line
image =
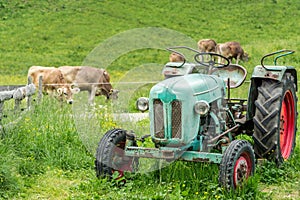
<point x="193" y="118"/>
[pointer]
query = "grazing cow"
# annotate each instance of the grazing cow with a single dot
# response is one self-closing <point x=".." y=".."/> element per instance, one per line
<point x="232" y="50"/>
<point x="94" y="80"/>
<point x="175" y="57"/>
<point x="53" y="82"/>
<point x="207" y="45"/>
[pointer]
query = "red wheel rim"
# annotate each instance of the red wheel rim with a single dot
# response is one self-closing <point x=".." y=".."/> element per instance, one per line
<point x="287" y="124"/>
<point x="242" y="169"/>
<point x="120" y="163"/>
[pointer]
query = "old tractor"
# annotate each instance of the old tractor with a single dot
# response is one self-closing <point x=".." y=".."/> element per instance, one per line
<point x="193" y="118"/>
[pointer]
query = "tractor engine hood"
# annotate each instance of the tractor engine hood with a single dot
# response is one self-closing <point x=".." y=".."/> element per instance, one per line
<point x="192" y="86"/>
<point x="173" y="120"/>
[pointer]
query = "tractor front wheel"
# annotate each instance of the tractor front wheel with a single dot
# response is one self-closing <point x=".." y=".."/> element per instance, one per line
<point x="275" y="119"/>
<point x="238" y="163"/>
<point x="110" y="156"/>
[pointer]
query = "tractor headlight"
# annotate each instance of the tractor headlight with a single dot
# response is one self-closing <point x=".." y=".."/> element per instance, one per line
<point x="142" y="104"/>
<point x="201" y="108"/>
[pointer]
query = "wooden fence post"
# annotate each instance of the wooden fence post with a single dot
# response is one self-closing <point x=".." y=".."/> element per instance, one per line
<point x="1" y="109"/>
<point x="1" y="127"/>
<point x="29" y="81"/>
<point x="1" y="115"/>
<point x="17" y="105"/>
<point x="4" y="96"/>
<point x="18" y="96"/>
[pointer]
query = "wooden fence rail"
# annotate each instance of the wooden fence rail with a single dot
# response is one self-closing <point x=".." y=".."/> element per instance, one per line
<point x="10" y="87"/>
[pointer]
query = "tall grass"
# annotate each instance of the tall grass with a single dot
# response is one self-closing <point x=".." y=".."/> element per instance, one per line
<point x="43" y="156"/>
<point x="44" y="139"/>
<point x="9" y="181"/>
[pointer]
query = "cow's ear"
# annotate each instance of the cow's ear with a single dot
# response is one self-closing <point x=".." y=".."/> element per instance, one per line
<point x="59" y="91"/>
<point x="75" y="90"/>
<point x="73" y="85"/>
<point x="106" y="75"/>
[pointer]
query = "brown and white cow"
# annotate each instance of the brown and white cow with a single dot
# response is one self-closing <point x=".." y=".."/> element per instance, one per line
<point x="232" y="50"/>
<point x="207" y="45"/>
<point x="53" y="82"/>
<point x="94" y="80"/>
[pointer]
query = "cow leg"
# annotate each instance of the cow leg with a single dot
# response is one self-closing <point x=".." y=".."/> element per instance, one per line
<point x="220" y="60"/>
<point x="92" y="94"/>
<point x="237" y="59"/>
<point x="219" y="51"/>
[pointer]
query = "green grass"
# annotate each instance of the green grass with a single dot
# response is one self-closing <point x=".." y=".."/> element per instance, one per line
<point x="64" y="33"/>
<point x="45" y="155"/>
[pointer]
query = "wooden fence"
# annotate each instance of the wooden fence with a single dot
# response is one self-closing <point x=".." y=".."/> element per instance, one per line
<point x="16" y="93"/>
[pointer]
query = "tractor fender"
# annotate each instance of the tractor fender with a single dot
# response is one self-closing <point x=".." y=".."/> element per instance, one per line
<point x="272" y="72"/>
<point x="261" y="73"/>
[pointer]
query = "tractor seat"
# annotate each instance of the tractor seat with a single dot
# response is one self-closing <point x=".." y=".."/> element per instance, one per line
<point x="235" y="73"/>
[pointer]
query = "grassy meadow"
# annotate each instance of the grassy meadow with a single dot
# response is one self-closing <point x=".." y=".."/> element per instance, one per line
<point x="44" y="154"/>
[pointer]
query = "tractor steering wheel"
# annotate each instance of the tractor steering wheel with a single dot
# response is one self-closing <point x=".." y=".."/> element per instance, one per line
<point x="211" y="63"/>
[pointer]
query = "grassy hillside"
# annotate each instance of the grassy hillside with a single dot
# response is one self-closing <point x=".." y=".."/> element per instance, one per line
<point x="56" y="33"/>
<point x="44" y="156"/>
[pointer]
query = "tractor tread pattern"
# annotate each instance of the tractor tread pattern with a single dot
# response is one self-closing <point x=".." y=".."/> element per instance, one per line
<point x="229" y="159"/>
<point x="267" y="117"/>
<point x="104" y="151"/>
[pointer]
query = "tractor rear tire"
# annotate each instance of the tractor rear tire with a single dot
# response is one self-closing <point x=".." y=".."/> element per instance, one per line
<point x="238" y="163"/>
<point x="275" y="120"/>
<point x="110" y="156"/>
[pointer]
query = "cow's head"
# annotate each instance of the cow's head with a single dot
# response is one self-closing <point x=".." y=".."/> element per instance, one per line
<point x="113" y="94"/>
<point x="65" y="93"/>
<point x="245" y="57"/>
<point x="175" y="57"/>
<point x="108" y="91"/>
<point x="105" y="88"/>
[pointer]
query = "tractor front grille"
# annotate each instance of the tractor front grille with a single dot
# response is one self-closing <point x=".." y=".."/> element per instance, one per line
<point x="159" y="128"/>
<point x="176" y="121"/>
